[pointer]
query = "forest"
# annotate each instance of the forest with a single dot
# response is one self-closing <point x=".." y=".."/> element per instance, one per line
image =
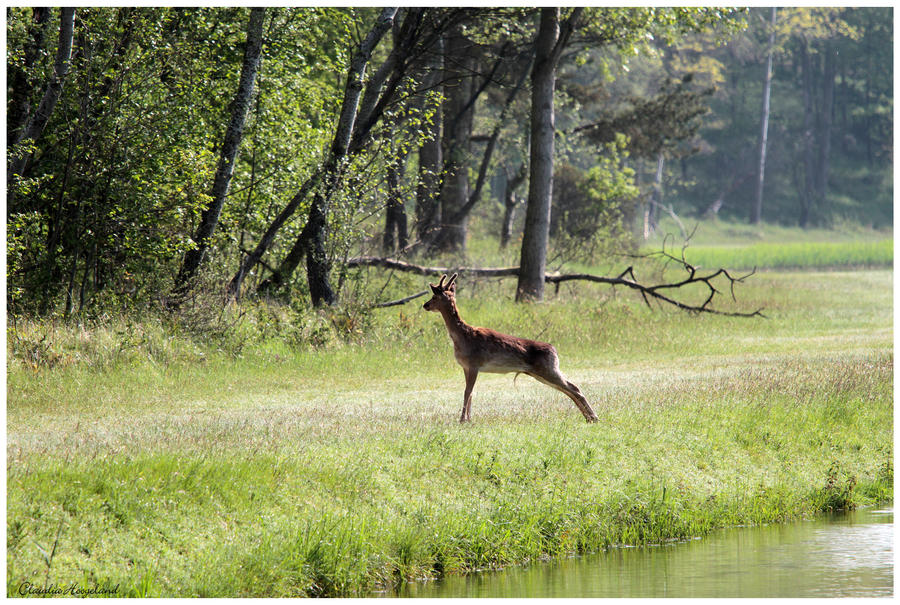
<point x="154" y="153"/>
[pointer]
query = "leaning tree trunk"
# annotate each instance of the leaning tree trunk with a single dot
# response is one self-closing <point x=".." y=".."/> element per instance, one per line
<point x="312" y="238"/>
<point x="756" y="212"/>
<point x="36" y="123"/>
<point x="230" y="146"/>
<point x="540" y="186"/>
<point x="21" y="78"/>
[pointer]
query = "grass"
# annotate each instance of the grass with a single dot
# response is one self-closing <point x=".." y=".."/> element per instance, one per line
<point x="801" y="255"/>
<point x="740" y="246"/>
<point x="325" y="459"/>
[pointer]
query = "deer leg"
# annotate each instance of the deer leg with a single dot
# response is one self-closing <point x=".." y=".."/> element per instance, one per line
<point x="471" y="375"/>
<point x="556" y="380"/>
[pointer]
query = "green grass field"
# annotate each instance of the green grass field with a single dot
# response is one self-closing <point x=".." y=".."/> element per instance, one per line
<point x="144" y="458"/>
<point x="736" y="246"/>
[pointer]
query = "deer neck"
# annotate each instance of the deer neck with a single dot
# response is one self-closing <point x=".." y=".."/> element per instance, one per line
<point x="455" y="325"/>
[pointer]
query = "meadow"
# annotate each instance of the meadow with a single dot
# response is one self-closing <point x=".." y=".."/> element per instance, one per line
<point x="319" y="454"/>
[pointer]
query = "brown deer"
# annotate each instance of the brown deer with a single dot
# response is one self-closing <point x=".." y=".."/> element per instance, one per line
<point x="484" y="350"/>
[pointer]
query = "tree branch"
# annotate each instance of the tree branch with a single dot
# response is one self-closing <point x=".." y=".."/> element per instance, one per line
<point x="626" y="278"/>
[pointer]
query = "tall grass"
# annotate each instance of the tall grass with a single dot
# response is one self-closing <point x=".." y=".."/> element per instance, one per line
<point x="331" y="463"/>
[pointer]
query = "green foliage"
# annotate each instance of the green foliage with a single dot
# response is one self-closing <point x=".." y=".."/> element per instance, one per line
<point x="590" y="210"/>
<point x="117" y="182"/>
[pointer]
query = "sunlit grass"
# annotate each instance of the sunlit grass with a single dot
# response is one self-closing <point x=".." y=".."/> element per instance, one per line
<point x="803" y="255"/>
<point x="184" y="468"/>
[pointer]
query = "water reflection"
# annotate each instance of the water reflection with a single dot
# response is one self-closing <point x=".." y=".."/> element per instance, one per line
<point x="846" y="555"/>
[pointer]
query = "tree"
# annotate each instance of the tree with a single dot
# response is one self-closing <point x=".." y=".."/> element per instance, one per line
<point x="21" y="76"/>
<point x="458" y="111"/>
<point x="549" y="44"/>
<point x="314" y="232"/>
<point x="430" y="154"/>
<point x="395" y="228"/>
<point x="36" y="122"/>
<point x="230" y="146"/>
<point x="511" y="201"/>
<point x="756" y="213"/>
<point x="417" y="33"/>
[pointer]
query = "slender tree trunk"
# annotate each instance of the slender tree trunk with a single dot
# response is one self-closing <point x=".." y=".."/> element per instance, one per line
<point x="651" y="213"/>
<point x="231" y="145"/>
<point x="313" y="234"/>
<point x="21" y="78"/>
<point x="756" y="212"/>
<point x="540" y="186"/>
<point x="458" y="115"/>
<point x="430" y="156"/>
<point x="809" y="164"/>
<point x="825" y="126"/>
<point x="395" y="212"/>
<point x="37" y="121"/>
<point x="510" y="201"/>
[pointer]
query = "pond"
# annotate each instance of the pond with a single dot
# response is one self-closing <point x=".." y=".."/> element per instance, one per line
<point x="838" y="555"/>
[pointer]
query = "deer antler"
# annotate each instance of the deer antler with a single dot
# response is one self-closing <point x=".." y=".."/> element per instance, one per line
<point x="441" y="283"/>
<point x="452" y="279"/>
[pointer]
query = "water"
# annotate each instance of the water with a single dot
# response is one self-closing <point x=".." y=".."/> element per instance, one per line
<point x="841" y="555"/>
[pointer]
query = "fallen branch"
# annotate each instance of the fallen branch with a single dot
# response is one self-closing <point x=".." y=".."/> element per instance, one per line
<point x="401" y="301"/>
<point x="626" y="278"/>
<point x="399" y="265"/>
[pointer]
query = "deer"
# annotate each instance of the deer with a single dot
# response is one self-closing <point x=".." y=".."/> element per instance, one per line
<point x="485" y="350"/>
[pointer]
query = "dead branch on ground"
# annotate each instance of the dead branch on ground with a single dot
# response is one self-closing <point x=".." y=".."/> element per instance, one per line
<point x="626" y="278"/>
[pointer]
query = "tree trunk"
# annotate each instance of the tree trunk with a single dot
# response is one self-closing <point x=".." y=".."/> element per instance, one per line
<point x="36" y="123"/>
<point x="651" y="212"/>
<point x="318" y="267"/>
<point x="458" y="115"/>
<point x="540" y="186"/>
<point x="510" y="201"/>
<point x="430" y="156"/>
<point x="395" y="212"/>
<point x="825" y="126"/>
<point x="230" y="146"/>
<point x="21" y="79"/>
<point x="807" y="194"/>
<point x="314" y="233"/>
<point x="756" y="212"/>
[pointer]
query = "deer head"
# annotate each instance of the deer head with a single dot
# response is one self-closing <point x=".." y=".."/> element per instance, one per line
<point x="444" y="294"/>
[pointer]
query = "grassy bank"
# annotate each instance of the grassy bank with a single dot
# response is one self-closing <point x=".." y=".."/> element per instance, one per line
<point x="173" y="469"/>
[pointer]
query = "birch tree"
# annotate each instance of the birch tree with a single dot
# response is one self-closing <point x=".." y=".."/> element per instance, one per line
<point x="339" y="147"/>
<point x="756" y="213"/>
<point x="195" y="257"/>
<point x="35" y="124"/>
